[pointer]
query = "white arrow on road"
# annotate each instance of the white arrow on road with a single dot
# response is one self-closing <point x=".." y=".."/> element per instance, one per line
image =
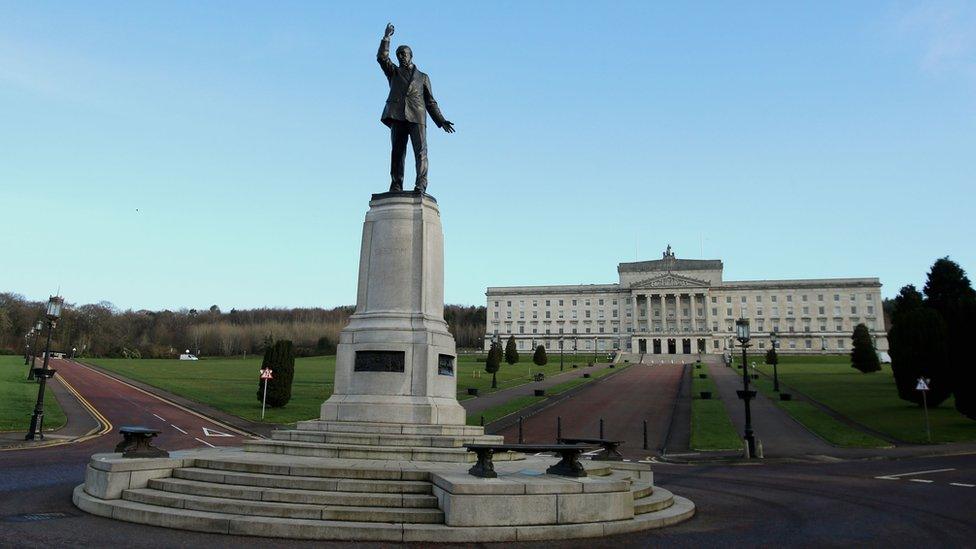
<point x="895" y="477"/>
<point x="214" y="433"/>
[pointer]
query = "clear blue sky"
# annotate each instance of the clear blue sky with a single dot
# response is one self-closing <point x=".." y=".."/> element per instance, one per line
<point x="183" y="154"/>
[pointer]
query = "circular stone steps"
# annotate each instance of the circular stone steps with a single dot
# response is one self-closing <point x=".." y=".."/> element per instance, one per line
<point x="304" y="483"/>
<point x="279" y="527"/>
<point x="656" y="501"/>
<point x="390" y="428"/>
<point x="641" y="488"/>
<point x="225" y="505"/>
<point x="309" y="467"/>
<point x="351" y="451"/>
<point x="381" y="439"/>
<point x="310" y="496"/>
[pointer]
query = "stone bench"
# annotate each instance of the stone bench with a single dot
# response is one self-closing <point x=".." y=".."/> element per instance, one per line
<point x="610" y="452"/>
<point x="568" y="465"/>
<point x="137" y="443"/>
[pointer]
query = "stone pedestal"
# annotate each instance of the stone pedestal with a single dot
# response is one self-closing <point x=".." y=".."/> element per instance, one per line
<point x="396" y="360"/>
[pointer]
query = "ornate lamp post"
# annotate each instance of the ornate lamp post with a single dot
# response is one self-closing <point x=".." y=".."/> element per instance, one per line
<point x="560" y="353"/>
<point x="774" y="341"/>
<point x="27" y="346"/>
<point x="54" y="305"/>
<point x="37" y="332"/>
<point x="742" y="334"/>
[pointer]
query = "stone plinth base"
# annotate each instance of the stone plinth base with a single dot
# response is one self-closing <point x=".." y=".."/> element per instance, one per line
<point x="284" y="496"/>
<point x="386" y="408"/>
<point x="396" y="359"/>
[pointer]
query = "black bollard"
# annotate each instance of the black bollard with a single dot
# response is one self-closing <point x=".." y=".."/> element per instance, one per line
<point x="482" y="420"/>
<point x="520" y="430"/>
<point x="645" y="434"/>
<point x="601" y="427"/>
<point x="559" y="428"/>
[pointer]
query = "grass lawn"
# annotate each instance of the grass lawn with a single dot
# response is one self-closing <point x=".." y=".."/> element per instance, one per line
<point x="818" y="421"/>
<point x="18" y="396"/>
<point x="560" y="388"/>
<point x="577" y="381"/>
<point x="231" y="384"/>
<point x="711" y="428"/>
<point x="471" y="373"/>
<point x="869" y="399"/>
<point x="497" y="412"/>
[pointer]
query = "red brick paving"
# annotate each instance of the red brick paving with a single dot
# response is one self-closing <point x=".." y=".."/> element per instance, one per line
<point x="624" y="401"/>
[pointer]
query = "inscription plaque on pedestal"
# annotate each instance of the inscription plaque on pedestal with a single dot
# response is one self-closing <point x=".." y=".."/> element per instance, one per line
<point x="445" y="365"/>
<point x="379" y="361"/>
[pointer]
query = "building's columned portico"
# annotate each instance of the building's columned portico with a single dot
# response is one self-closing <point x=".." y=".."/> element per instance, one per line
<point x="670" y="320"/>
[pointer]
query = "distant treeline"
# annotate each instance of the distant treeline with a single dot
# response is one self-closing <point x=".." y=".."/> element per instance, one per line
<point x="100" y="329"/>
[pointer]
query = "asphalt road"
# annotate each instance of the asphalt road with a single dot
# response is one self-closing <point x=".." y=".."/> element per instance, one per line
<point x="121" y="404"/>
<point x="625" y="400"/>
<point x="770" y="504"/>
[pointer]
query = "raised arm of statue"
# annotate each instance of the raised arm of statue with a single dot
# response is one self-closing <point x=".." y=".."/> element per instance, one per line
<point x="383" y="55"/>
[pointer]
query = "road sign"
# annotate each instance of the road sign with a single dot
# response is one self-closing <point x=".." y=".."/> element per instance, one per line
<point x="265" y="376"/>
<point x="923" y="385"/>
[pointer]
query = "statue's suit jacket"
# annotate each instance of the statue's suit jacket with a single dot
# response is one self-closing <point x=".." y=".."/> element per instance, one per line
<point x="408" y="101"/>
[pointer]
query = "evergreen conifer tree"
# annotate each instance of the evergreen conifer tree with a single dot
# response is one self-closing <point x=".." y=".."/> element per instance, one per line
<point x="863" y="355"/>
<point x="493" y="362"/>
<point x="919" y="349"/>
<point x="511" y="353"/>
<point x="949" y="292"/>
<point x="280" y="357"/>
<point x="540" y="358"/>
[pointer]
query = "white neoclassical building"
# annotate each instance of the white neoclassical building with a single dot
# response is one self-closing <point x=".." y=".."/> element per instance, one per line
<point x="683" y="306"/>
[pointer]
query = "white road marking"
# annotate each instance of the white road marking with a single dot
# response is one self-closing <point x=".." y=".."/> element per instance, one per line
<point x="592" y="452"/>
<point x="205" y="442"/>
<point x="214" y="433"/>
<point x="160" y="418"/>
<point x="963" y="484"/>
<point x="895" y="477"/>
<point x="919" y="480"/>
<point x="177" y="428"/>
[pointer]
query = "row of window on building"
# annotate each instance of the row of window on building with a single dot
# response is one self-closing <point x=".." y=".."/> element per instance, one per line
<point x="602" y="344"/>
<point x="759" y="326"/>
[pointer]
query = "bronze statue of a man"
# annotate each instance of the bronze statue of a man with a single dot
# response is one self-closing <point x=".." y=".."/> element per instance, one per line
<point x="406" y="111"/>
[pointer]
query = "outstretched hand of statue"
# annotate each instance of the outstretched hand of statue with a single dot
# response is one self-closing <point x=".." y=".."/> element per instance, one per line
<point x="448" y="126"/>
<point x="389" y="30"/>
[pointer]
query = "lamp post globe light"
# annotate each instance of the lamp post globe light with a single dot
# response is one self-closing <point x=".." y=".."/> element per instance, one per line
<point x="53" y="313"/>
<point x="774" y="343"/>
<point x="742" y="334"/>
